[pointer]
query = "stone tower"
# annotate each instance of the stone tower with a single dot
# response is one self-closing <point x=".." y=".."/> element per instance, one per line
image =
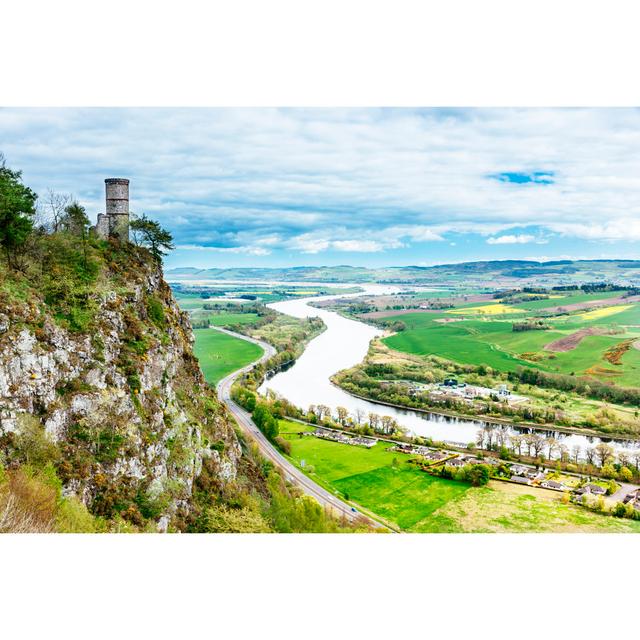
<point x="117" y="211"/>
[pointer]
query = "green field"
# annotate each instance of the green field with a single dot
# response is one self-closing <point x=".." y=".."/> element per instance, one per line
<point x="190" y="303"/>
<point x="228" y="319"/>
<point x="561" y="300"/>
<point x="492" y="342"/>
<point x="417" y="502"/>
<point x="220" y="354"/>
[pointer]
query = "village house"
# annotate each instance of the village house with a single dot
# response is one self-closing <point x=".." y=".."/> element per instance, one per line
<point x="415" y="450"/>
<point x="552" y="484"/>
<point x="520" y="480"/>
<point x="337" y="436"/>
<point x="457" y="463"/>
<point x="594" y="489"/>
<point x="461" y="390"/>
<point x="518" y="470"/>
<point x="363" y="442"/>
<point x="435" y="455"/>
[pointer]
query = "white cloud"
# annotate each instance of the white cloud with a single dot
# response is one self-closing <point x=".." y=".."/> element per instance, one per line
<point x="308" y="243"/>
<point x="249" y="250"/>
<point x="512" y="239"/>
<point x="360" y="246"/>
<point x="313" y="180"/>
<point x="618" y="229"/>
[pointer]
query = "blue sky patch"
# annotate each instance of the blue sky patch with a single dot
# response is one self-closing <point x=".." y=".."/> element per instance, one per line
<point x="517" y="177"/>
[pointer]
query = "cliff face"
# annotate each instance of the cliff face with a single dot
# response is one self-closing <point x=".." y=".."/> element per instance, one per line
<point x="112" y="391"/>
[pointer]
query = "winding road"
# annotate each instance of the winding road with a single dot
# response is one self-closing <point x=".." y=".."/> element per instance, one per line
<point x="291" y="473"/>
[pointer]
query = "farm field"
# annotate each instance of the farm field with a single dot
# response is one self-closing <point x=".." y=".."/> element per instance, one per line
<point x="385" y="483"/>
<point x="559" y="300"/>
<point x="190" y="303"/>
<point x="487" y="309"/>
<point x="491" y="341"/>
<point x="220" y="354"/>
<point x="227" y="319"/>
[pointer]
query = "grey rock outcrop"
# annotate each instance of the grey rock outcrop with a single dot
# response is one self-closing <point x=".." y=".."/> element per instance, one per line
<point x="140" y="419"/>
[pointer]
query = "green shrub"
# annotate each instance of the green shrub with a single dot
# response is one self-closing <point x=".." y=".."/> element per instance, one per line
<point x="150" y="508"/>
<point x="283" y="444"/>
<point x="218" y="446"/>
<point x="619" y="510"/>
<point x="33" y="443"/>
<point x="72" y="517"/>
<point x="139" y="347"/>
<point x="133" y="380"/>
<point x="155" y="310"/>
<point x="222" y="519"/>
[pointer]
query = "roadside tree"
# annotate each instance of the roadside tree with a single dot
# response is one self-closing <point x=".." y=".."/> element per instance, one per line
<point x="343" y="414"/>
<point x="551" y="444"/>
<point x="603" y="453"/>
<point x="576" y="452"/>
<point x="626" y="474"/>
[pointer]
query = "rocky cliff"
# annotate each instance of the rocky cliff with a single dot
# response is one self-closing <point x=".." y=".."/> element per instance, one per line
<point x="100" y="381"/>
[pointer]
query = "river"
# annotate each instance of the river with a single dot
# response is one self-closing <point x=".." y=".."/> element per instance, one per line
<point x="344" y="344"/>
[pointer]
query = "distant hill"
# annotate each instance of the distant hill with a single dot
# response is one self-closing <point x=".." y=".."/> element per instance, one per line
<point x="487" y="273"/>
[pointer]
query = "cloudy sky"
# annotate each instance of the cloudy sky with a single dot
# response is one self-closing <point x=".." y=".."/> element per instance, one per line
<point x="278" y="187"/>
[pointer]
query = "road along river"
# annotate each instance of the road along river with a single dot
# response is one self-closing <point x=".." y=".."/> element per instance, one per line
<point x="291" y="473"/>
<point x="345" y="344"/>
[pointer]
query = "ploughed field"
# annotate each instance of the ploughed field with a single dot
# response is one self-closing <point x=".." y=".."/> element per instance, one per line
<point x="386" y="484"/>
<point x="589" y="334"/>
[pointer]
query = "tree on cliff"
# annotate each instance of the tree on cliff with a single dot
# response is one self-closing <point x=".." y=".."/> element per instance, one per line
<point x="17" y="208"/>
<point x="148" y="233"/>
<point x="76" y="221"/>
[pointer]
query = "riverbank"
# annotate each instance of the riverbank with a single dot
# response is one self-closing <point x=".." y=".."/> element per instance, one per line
<point x="489" y="420"/>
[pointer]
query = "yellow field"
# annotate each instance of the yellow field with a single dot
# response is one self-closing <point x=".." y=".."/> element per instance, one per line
<point x="596" y="314"/>
<point x="488" y="310"/>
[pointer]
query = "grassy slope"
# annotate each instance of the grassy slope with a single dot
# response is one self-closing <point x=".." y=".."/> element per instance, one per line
<point x="220" y="354"/>
<point x="418" y="502"/>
